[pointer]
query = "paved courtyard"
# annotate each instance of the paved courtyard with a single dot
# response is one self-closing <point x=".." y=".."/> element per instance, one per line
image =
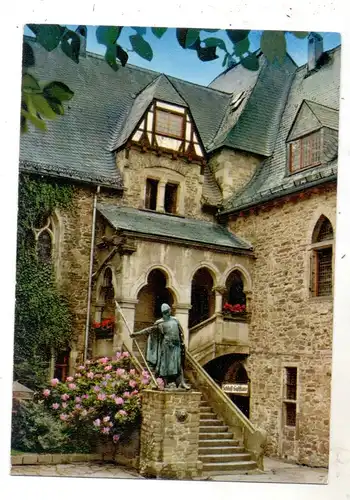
<point x="275" y="472"/>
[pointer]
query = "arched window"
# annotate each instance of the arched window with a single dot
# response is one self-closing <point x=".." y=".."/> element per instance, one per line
<point x="150" y="298"/>
<point x="45" y="242"/>
<point x="234" y="297"/>
<point x="321" y="275"/>
<point x="202" y="297"/>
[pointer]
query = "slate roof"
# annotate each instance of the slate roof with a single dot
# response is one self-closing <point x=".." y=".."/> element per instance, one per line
<point x="253" y="126"/>
<point x="272" y="178"/>
<point x="144" y="222"/>
<point x="79" y="145"/>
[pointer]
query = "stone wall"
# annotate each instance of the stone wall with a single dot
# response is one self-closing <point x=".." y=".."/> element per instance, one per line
<point x="289" y="327"/>
<point x="137" y="167"/>
<point x="169" y="434"/>
<point x="233" y="170"/>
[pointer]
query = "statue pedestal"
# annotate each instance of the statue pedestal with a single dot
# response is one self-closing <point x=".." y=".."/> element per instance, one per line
<point x="169" y="434"/>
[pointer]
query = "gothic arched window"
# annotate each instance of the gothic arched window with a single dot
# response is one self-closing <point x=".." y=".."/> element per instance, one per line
<point x="321" y="276"/>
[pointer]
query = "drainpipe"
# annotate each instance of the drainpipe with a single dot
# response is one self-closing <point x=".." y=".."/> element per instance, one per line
<point x="88" y="308"/>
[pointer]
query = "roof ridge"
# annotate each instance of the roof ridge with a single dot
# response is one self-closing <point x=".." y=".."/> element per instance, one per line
<point x="329" y="51"/>
<point x="319" y="104"/>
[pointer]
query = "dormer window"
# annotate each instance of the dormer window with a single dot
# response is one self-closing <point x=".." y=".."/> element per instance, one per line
<point x="305" y="152"/>
<point x="169" y="124"/>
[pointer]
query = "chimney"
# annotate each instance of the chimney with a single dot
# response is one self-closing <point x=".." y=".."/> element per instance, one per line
<point x="315" y="49"/>
<point x="81" y="31"/>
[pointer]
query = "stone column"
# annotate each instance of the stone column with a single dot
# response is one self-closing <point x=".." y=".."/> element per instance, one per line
<point x="122" y="334"/>
<point x="219" y="292"/>
<point x="160" y="196"/>
<point x="169" y="434"/>
<point x="182" y="316"/>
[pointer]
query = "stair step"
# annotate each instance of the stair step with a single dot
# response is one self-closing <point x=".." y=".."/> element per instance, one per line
<point x="212" y="428"/>
<point x="233" y="457"/>
<point x="215" y="422"/>
<point x="206" y="408"/>
<point x="224" y="450"/>
<point x="225" y="467"/>
<point x="218" y="443"/>
<point x="207" y="414"/>
<point x="217" y="435"/>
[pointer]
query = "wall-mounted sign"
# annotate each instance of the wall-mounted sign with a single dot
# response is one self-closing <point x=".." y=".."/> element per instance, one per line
<point x="242" y="389"/>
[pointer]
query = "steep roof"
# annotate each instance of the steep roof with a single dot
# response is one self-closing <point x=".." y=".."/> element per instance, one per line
<point x="253" y="126"/>
<point x="106" y="105"/>
<point x="180" y="229"/>
<point x="272" y="178"/>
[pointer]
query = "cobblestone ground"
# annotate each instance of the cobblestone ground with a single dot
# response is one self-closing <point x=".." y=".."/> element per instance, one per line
<point x="275" y="472"/>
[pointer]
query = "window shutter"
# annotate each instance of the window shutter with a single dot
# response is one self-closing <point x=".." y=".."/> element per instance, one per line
<point x="312" y="273"/>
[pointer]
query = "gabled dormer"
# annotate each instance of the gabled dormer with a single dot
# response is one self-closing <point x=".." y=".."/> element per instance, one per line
<point x="160" y="120"/>
<point x="313" y="137"/>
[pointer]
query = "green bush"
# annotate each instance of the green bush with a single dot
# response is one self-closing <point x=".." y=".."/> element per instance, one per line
<point x="35" y="430"/>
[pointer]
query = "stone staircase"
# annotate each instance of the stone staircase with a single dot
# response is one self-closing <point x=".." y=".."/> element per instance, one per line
<point x="218" y="450"/>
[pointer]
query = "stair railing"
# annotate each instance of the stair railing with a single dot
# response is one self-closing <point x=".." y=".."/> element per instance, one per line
<point x="135" y="360"/>
<point x="254" y="439"/>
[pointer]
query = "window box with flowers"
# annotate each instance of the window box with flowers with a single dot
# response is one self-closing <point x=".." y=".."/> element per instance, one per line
<point x="236" y="312"/>
<point x="104" y="329"/>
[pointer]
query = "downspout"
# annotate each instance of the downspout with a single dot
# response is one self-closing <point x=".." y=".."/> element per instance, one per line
<point x="88" y="308"/>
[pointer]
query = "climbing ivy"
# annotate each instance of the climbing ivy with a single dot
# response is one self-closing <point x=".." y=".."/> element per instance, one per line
<point x="42" y="315"/>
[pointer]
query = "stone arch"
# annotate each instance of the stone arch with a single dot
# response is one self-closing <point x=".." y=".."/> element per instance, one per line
<point x="323" y="224"/>
<point x="151" y="297"/>
<point x="202" y="296"/>
<point x="247" y="281"/>
<point x="171" y="282"/>
<point x="213" y="270"/>
<point x="99" y="282"/>
<point x="317" y="215"/>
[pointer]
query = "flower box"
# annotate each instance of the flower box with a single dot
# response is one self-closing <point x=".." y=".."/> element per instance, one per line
<point x="104" y="329"/>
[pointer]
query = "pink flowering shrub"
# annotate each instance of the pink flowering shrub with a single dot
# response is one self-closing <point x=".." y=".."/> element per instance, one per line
<point x="102" y="397"/>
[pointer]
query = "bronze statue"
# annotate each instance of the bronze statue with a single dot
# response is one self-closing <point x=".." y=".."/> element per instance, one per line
<point x="166" y="349"/>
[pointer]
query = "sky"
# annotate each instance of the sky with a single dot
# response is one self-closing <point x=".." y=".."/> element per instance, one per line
<point x="171" y="59"/>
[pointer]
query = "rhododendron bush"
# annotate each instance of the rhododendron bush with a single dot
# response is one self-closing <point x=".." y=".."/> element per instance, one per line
<point x="102" y="396"/>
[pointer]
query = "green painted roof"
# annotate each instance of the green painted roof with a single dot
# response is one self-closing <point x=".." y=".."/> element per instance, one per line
<point x="193" y="231"/>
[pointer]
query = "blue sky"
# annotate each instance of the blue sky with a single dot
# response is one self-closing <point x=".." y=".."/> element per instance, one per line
<point x="171" y="59"/>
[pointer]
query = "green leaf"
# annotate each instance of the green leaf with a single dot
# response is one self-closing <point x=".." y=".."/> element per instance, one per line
<point x="141" y="47"/>
<point x="299" y="34"/>
<point x="242" y="47"/>
<point x="207" y="53"/>
<point x="122" y="55"/>
<point x="58" y="91"/>
<point x="250" y="62"/>
<point x="225" y="60"/>
<point x="27" y="55"/>
<point x="71" y="45"/>
<point x="57" y="106"/>
<point x="34" y="119"/>
<point x="106" y="35"/>
<point x="48" y="35"/>
<point x="209" y="31"/>
<point x="215" y="42"/>
<point x="159" y="32"/>
<point x="110" y="57"/>
<point x="192" y="36"/>
<point x="30" y="84"/>
<point x="237" y="35"/>
<point x="139" y="31"/>
<point x="273" y="45"/>
<point x="181" y="35"/>
<point x="42" y="106"/>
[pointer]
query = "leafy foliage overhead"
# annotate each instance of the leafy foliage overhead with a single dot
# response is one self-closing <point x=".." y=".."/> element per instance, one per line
<point x="41" y="103"/>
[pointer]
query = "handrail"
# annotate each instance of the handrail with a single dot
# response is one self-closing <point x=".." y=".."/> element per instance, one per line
<point x="254" y="439"/>
<point x="220" y="393"/>
<point x="206" y="322"/>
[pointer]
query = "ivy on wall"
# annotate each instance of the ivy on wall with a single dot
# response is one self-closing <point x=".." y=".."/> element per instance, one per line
<point x="42" y="315"/>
